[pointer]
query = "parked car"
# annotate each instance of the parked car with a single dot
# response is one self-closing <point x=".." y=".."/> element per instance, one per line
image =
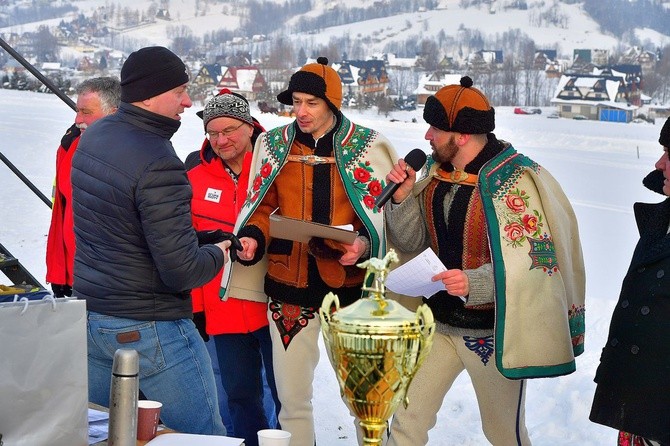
<point x="580" y="117"/>
<point x="553" y="115"/>
<point x="527" y="111"/>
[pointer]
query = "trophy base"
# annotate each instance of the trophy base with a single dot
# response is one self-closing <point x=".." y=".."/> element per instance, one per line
<point x="373" y="433"/>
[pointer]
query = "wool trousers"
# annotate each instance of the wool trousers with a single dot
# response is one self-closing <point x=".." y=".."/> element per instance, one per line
<point x="501" y="401"/>
<point x="294" y="376"/>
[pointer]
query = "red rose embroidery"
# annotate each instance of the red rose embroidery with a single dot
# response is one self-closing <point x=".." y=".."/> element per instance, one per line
<point x="369" y="201"/>
<point x="515" y="203"/>
<point x="375" y="188"/>
<point x="266" y="170"/>
<point x="257" y="183"/>
<point x="530" y="223"/>
<point x="514" y="231"/>
<point x="362" y="175"/>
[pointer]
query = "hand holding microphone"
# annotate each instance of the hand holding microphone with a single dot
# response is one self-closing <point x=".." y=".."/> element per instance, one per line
<point x="399" y="176"/>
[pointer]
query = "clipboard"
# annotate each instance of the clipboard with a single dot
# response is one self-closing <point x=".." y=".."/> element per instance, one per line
<point x="289" y="228"/>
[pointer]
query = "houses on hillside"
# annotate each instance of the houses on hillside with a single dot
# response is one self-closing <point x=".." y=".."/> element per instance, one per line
<point x="429" y="84"/>
<point x="245" y="80"/>
<point x="600" y="97"/>
<point x="362" y="77"/>
<point x="586" y="85"/>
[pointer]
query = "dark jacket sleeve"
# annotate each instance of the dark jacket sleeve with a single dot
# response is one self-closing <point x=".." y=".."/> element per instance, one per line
<point x="163" y="201"/>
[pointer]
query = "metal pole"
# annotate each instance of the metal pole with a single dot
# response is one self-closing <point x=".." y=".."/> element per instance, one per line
<point x="26" y="181"/>
<point x="51" y="87"/>
<point x="35" y="72"/>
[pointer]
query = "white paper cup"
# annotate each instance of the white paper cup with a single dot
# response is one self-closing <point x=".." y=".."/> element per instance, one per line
<point x="274" y="437"/>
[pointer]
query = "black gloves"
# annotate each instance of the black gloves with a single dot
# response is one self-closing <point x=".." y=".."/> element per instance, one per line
<point x="61" y="290"/>
<point x="199" y="321"/>
<point x="210" y="237"/>
<point x="217" y="236"/>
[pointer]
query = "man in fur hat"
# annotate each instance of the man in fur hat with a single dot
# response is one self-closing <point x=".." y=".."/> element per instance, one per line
<point x="321" y="168"/>
<point x="513" y="299"/>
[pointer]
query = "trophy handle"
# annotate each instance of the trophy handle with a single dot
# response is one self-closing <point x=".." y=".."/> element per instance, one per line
<point x="426" y="322"/>
<point x="325" y="311"/>
<point x="424" y="317"/>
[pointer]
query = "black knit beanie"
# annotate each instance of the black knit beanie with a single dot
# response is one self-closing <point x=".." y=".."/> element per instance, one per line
<point x="664" y="138"/>
<point x="151" y="71"/>
<point x="460" y="108"/>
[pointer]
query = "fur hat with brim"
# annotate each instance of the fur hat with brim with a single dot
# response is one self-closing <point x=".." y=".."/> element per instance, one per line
<point x="317" y="79"/>
<point x="151" y="71"/>
<point x="664" y="138"/>
<point x="460" y="108"/>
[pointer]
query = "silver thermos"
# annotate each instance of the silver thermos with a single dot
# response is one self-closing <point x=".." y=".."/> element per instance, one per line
<point x="123" y="396"/>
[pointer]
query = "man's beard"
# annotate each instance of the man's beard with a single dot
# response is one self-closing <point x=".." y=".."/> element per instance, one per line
<point x="446" y="152"/>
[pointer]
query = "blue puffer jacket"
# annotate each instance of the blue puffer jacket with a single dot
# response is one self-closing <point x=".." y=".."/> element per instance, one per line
<point x="137" y="253"/>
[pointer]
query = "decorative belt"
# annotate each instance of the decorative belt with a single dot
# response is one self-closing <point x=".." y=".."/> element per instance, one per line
<point x="457" y="176"/>
<point x="312" y="160"/>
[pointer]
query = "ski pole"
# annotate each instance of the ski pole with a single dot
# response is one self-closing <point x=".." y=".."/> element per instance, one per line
<point x="25" y="180"/>
<point x="35" y="72"/>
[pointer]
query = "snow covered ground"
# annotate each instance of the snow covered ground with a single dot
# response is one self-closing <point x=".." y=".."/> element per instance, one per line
<point x="600" y="166"/>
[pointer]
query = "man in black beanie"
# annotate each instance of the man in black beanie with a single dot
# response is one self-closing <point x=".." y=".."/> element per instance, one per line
<point x="137" y="254"/>
<point x="633" y="391"/>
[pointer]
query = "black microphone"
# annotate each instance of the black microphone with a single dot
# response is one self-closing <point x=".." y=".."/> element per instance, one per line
<point x="415" y="159"/>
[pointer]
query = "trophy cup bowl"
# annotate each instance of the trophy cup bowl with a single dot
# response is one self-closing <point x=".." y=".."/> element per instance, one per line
<point x="376" y="347"/>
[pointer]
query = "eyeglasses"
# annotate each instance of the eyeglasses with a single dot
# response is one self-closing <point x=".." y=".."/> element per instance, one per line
<point x="212" y="134"/>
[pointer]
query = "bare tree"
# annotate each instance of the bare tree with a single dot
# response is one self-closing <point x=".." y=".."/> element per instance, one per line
<point x="403" y="81"/>
<point x="281" y="54"/>
<point x="45" y="45"/>
<point x="657" y="83"/>
<point x="429" y="54"/>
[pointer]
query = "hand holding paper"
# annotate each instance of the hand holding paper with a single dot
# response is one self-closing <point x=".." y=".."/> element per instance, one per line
<point x="414" y="278"/>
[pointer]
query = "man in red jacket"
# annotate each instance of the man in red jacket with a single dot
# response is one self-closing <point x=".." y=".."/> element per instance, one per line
<point x="239" y="324"/>
<point x="96" y="97"/>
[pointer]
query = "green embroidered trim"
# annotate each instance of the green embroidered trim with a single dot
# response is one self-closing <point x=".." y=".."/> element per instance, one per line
<point x="577" y="322"/>
<point x="274" y="139"/>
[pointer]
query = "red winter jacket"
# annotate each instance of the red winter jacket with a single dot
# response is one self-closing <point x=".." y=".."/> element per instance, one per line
<point x="60" y="242"/>
<point x="215" y="205"/>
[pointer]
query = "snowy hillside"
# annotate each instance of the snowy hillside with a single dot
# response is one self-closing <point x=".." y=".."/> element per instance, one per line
<point x="576" y="29"/>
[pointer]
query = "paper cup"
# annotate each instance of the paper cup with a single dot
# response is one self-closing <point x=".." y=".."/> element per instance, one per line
<point x="148" y="413"/>
<point x="274" y="437"/>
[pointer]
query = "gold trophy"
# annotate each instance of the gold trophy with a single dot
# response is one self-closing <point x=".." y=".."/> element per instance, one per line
<point x="375" y="346"/>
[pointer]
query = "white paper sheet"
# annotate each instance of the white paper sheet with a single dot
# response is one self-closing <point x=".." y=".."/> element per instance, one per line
<point x="414" y="277"/>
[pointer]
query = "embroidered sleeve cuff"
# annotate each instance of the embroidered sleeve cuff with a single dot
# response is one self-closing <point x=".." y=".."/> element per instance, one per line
<point x="481" y="285"/>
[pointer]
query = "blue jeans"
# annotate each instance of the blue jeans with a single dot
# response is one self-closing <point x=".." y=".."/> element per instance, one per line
<point x="175" y="369"/>
<point x="242" y="358"/>
<point x="220" y="393"/>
